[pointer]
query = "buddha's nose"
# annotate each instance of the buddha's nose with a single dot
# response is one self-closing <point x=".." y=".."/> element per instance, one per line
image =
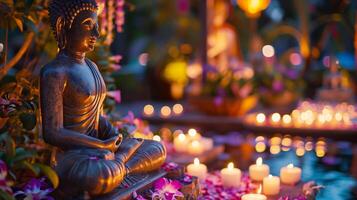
<point x="95" y="33"/>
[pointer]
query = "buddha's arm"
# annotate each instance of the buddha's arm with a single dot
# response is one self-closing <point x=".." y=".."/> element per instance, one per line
<point x="106" y="129"/>
<point x="51" y="89"/>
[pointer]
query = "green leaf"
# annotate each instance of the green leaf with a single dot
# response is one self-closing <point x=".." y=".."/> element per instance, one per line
<point x="19" y="23"/>
<point x="26" y="165"/>
<point x="50" y="173"/>
<point x="21" y="154"/>
<point x="5" y="196"/>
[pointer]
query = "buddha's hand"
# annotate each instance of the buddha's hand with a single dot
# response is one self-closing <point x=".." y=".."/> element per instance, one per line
<point x="113" y="143"/>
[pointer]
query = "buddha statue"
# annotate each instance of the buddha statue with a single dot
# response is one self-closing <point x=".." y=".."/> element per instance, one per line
<point x="223" y="52"/>
<point x="335" y="85"/>
<point x="92" y="156"/>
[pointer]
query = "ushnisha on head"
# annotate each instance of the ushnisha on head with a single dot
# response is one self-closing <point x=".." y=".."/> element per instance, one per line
<point x="74" y="24"/>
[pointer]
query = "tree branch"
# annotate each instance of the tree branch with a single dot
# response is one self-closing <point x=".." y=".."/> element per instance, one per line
<point x="6" y="67"/>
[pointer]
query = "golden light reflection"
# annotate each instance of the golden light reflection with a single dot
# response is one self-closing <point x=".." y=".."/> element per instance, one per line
<point x="177" y="109"/>
<point x="252" y="8"/>
<point x="149" y="110"/>
<point x="300" y="151"/>
<point x="260" y="118"/>
<point x="260" y="147"/>
<point x="165" y="111"/>
<point x="275" y="149"/>
<point x="259" y="139"/>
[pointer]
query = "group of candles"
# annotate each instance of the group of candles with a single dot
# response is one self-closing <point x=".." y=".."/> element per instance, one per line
<point x="315" y="115"/>
<point x="286" y="143"/>
<point x="165" y="111"/>
<point x="258" y="172"/>
<point x="192" y="143"/>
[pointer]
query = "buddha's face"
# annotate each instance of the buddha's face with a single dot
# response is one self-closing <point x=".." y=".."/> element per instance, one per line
<point x="84" y="32"/>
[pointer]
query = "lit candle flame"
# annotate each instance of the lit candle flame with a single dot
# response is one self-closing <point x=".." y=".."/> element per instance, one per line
<point x="260" y="118"/>
<point x="181" y="136"/>
<point x="259" y="161"/>
<point x="230" y="165"/>
<point x="290" y="166"/>
<point x="270" y="176"/>
<point x="196" y="161"/>
<point x="156" y="138"/>
<point x="192" y="132"/>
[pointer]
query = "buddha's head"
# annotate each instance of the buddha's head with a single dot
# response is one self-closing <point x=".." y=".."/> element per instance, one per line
<point x="74" y="24"/>
<point x="220" y="12"/>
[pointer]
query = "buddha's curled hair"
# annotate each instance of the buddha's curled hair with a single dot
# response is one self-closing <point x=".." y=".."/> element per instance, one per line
<point x="68" y="10"/>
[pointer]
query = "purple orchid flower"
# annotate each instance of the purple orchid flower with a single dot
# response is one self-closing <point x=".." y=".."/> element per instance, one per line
<point x="130" y="118"/>
<point x="3" y="170"/>
<point x="187" y="178"/>
<point x="169" y="166"/>
<point x="4" y="184"/>
<point x="116" y="58"/>
<point x="35" y="189"/>
<point x="115" y="94"/>
<point x="165" y="189"/>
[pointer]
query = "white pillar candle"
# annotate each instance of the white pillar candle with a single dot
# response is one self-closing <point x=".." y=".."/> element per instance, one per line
<point x="258" y="171"/>
<point x="181" y="142"/>
<point x="197" y="169"/>
<point x="193" y="135"/>
<point x="231" y="176"/>
<point x="195" y="148"/>
<point x="254" y="196"/>
<point x="271" y="185"/>
<point x="290" y="175"/>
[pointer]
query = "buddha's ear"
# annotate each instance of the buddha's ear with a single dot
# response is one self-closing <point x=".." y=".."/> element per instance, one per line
<point x="60" y="32"/>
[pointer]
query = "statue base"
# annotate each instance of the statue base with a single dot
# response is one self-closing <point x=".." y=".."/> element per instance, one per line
<point x="124" y="191"/>
<point x="144" y="183"/>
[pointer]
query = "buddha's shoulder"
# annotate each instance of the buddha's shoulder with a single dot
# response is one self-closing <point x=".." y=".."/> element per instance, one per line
<point x="55" y="68"/>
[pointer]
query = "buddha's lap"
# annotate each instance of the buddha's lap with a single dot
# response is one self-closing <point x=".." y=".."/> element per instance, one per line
<point x="100" y="171"/>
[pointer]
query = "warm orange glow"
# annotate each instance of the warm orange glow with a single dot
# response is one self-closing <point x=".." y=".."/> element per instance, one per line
<point x="259" y="138"/>
<point x="275" y="149"/>
<point x="253" y="7"/>
<point x="260" y="147"/>
<point x="165" y="111"/>
<point x="177" y="109"/>
<point x="300" y="151"/>
<point x="149" y="110"/>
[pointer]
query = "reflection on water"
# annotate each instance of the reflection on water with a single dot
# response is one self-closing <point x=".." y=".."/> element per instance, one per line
<point x="337" y="184"/>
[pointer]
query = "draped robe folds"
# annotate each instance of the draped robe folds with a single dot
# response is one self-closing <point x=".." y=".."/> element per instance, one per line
<point x="83" y="95"/>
